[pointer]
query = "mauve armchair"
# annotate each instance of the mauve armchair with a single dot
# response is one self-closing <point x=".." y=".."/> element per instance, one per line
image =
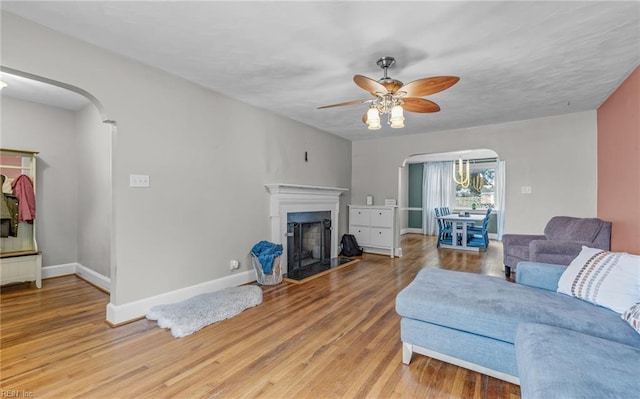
<point x="562" y="241"/>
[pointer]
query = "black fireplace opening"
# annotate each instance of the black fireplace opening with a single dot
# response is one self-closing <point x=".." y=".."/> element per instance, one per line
<point x="309" y="245"/>
<point x="308" y="239"/>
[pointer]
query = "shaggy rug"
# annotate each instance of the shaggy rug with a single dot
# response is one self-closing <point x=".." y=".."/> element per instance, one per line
<point x="187" y="317"/>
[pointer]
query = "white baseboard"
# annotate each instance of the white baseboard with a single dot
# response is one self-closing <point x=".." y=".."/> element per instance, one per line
<point x="83" y="272"/>
<point x="121" y="314"/>
<point x="59" y="270"/>
<point x="94" y="278"/>
<point x="410" y="230"/>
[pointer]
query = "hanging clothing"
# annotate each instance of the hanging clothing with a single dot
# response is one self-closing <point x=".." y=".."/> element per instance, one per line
<point x="8" y="214"/>
<point x="5" y="218"/>
<point x="9" y="225"/>
<point x="23" y="190"/>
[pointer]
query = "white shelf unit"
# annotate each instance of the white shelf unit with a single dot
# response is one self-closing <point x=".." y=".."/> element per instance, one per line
<point x="374" y="227"/>
<point x="20" y="259"/>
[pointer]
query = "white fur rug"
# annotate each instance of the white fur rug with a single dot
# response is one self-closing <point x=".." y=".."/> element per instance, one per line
<point x="189" y="316"/>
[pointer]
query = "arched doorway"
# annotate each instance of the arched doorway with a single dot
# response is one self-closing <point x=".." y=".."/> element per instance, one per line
<point x="82" y="164"/>
<point x="410" y="190"/>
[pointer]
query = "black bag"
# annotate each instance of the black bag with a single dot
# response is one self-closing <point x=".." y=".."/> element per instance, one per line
<point x="350" y="246"/>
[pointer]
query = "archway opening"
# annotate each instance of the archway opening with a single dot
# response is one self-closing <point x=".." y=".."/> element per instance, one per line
<point x="75" y="195"/>
<point x="488" y="191"/>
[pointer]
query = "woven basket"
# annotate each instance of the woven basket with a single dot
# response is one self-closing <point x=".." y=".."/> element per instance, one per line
<point x="273" y="278"/>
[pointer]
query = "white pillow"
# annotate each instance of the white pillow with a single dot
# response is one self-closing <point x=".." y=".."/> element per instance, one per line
<point x="632" y="316"/>
<point x="609" y="279"/>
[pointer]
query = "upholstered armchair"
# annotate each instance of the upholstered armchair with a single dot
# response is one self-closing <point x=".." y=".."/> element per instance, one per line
<point x="562" y="241"/>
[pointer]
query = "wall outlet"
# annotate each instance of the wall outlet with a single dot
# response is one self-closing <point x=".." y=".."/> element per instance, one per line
<point x="526" y="190"/>
<point x="138" y="180"/>
<point x="234" y="264"/>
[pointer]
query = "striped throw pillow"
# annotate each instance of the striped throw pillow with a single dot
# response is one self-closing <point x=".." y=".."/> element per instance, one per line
<point x="632" y="316"/>
<point x="609" y="279"/>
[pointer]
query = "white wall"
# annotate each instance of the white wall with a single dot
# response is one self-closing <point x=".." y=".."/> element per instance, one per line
<point x="93" y="148"/>
<point x="556" y="156"/>
<point x="208" y="158"/>
<point x="30" y="126"/>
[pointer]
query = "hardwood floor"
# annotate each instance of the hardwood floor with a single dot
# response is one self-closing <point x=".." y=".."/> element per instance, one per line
<point x="337" y="336"/>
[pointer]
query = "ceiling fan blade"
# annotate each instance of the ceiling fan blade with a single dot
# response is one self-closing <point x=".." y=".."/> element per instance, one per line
<point x="414" y="104"/>
<point x="354" y="102"/>
<point x="370" y="85"/>
<point x="426" y="86"/>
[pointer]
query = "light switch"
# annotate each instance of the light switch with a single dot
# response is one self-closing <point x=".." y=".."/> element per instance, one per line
<point x="138" y="180"/>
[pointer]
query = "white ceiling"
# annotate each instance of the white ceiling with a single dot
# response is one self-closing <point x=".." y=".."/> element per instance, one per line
<point x="516" y="60"/>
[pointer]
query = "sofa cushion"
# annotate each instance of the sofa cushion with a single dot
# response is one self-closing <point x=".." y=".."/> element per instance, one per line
<point x="493" y="307"/>
<point x="609" y="279"/>
<point x="557" y="363"/>
<point x="572" y="229"/>
<point x="540" y="275"/>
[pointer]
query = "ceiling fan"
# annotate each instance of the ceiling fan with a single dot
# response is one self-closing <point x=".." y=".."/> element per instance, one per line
<point x="392" y="97"/>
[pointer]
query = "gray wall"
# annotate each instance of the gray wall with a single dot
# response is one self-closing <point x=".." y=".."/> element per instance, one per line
<point x="208" y="158"/>
<point x="52" y="131"/>
<point x="93" y="147"/>
<point x="556" y="156"/>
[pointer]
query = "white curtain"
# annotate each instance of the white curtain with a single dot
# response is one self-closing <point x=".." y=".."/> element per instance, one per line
<point x="500" y="196"/>
<point x="437" y="192"/>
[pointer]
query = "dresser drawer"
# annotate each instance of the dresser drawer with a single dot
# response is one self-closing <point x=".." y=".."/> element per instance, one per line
<point x="380" y="237"/>
<point x="359" y="216"/>
<point x="381" y="217"/>
<point x="362" y="234"/>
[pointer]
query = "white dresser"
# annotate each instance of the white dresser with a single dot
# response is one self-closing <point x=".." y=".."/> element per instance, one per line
<point x="373" y="227"/>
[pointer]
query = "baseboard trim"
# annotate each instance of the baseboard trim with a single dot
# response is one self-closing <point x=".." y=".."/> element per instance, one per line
<point x="93" y="277"/>
<point x="397" y="252"/>
<point x="59" y="270"/>
<point x="410" y="231"/>
<point x="118" y="315"/>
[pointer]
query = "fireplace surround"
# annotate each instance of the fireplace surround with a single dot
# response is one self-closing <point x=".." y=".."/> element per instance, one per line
<point x="292" y="198"/>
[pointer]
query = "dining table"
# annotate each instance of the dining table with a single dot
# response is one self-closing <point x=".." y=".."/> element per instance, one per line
<point x="459" y="224"/>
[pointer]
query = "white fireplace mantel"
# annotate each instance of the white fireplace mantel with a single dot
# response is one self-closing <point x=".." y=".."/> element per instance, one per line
<point x="289" y="198"/>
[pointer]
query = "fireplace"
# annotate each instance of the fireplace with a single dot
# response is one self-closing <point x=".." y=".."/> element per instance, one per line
<point x="308" y="240"/>
<point x="307" y="215"/>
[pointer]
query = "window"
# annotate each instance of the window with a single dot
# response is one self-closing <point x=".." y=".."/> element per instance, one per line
<point x="481" y="192"/>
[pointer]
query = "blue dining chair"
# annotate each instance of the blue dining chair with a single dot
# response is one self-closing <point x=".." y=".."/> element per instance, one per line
<point x="444" y="229"/>
<point x="480" y="239"/>
<point x="478" y="229"/>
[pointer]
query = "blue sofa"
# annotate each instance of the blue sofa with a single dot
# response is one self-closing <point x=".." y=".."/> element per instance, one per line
<point x="551" y="344"/>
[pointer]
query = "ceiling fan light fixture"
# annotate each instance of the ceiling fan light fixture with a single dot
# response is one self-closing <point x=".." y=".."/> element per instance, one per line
<point x="397" y="117"/>
<point x="373" y="119"/>
<point x="389" y="96"/>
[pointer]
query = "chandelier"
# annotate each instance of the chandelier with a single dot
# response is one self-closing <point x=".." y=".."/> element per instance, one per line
<point x="459" y="175"/>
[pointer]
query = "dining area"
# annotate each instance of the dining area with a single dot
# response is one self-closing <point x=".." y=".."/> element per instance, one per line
<point x="462" y="231"/>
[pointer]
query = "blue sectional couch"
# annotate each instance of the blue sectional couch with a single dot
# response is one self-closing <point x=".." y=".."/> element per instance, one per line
<point x="553" y="345"/>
